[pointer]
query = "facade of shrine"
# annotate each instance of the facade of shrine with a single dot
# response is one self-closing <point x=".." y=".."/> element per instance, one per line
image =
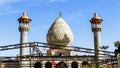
<point x="59" y="54"/>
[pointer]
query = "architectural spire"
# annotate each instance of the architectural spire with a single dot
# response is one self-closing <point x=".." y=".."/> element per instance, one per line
<point x="24" y="13"/>
<point x="96" y="19"/>
<point x="95" y="14"/>
<point x="96" y="28"/>
<point x="24" y="26"/>
<point x="60" y="14"/>
<point x="24" y="18"/>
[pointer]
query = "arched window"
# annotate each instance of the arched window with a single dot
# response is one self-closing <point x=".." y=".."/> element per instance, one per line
<point x="84" y="63"/>
<point x="48" y="65"/>
<point x="61" y="65"/>
<point x="74" y="65"/>
<point x="37" y="65"/>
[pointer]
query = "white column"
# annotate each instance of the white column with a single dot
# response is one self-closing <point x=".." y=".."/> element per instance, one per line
<point x="23" y="50"/>
<point x="69" y="65"/>
<point x="97" y="44"/>
<point x="97" y="41"/>
<point x="43" y="64"/>
<point x="23" y="39"/>
<point x="79" y="64"/>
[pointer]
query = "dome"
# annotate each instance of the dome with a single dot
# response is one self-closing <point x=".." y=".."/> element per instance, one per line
<point x="24" y="18"/>
<point x="96" y="19"/>
<point x="59" y="33"/>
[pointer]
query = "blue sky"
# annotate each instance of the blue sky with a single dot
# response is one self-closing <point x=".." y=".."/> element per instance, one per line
<point x="76" y="13"/>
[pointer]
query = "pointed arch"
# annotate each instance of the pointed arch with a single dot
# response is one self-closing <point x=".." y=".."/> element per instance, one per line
<point x="84" y="63"/>
<point x="74" y="64"/>
<point x="48" y="65"/>
<point x="37" y="65"/>
<point x="61" y="65"/>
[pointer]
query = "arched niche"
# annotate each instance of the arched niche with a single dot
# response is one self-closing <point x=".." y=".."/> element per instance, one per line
<point x="48" y="65"/>
<point x="61" y="65"/>
<point x="84" y="63"/>
<point x="37" y="65"/>
<point x="74" y="65"/>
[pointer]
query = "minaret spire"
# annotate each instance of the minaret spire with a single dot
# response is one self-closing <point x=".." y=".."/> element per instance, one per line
<point x="24" y="13"/>
<point x="96" y="28"/>
<point x="60" y="14"/>
<point x="95" y="14"/>
<point x="96" y="19"/>
<point x="24" y="26"/>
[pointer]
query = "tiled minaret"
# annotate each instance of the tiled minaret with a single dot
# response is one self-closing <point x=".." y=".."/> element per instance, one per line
<point x="24" y="26"/>
<point x="96" y="29"/>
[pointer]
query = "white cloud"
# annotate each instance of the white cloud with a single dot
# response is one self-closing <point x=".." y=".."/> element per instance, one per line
<point x="57" y="0"/>
<point x="6" y="8"/>
<point x="75" y="15"/>
<point x="4" y="2"/>
<point x="9" y="12"/>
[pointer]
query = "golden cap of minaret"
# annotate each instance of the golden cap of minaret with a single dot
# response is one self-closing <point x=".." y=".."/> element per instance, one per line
<point x="24" y="18"/>
<point x="96" y="19"/>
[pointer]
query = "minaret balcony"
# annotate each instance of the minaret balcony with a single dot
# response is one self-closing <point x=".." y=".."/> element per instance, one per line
<point x="23" y="29"/>
<point x="96" y="29"/>
<point x="93" y="26"/>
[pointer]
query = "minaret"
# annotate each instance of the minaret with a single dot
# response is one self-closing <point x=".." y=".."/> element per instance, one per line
<point x="96" y="29"/>
<point x="24" y="26"/>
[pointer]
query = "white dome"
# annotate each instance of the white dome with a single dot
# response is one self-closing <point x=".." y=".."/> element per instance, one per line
<point x="59" y="33"/>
